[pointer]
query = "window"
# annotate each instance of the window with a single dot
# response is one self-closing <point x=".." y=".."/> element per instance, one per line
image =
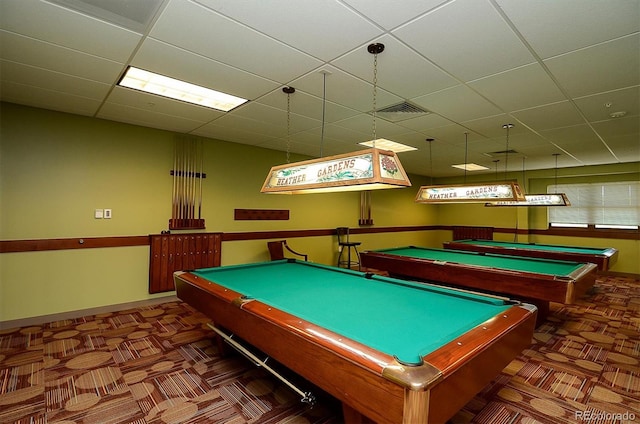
<point x="601" y="205"/>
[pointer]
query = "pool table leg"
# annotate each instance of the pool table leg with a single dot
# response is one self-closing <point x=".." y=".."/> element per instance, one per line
<point x="351" y="416"/>
<point x="543" y="309"/>
<point x="416" y="406"/>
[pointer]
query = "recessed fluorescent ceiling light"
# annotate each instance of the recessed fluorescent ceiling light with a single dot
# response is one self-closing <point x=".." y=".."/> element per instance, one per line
<point x="384" y="144"/>
<point x="139" y="79"/>
<point x="470" y="167"/>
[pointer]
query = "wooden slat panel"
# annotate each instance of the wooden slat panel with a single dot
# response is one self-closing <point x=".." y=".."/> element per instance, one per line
<point x="261" y="214"/>
<point x="169" y="263"/>
<point x="478" y="233"/>
<point x="199" y="251"/>
<point x="177" y="252"/>
<point x="155" y="263"/>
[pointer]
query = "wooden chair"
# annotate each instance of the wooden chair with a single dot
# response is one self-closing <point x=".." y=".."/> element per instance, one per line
<point x="277" y="248"/>
<point x="345" y="243"/>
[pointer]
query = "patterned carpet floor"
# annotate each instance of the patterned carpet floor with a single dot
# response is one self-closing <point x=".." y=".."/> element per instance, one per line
<point x="158" y="364"/>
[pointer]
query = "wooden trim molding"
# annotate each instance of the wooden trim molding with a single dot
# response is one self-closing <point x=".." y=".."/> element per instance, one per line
<point x="9" y="246"/>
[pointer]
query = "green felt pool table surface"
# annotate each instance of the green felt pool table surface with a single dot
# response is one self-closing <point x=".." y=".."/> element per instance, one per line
<point x="540" y="266"/>
<point x="603" y="257"/>
<point x="390" y="350"/>
<point x="536" y="246"/>
<point x="380" y="312"/>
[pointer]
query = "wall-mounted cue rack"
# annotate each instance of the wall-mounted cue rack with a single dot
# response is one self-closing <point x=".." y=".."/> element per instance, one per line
<point x="187" y="172"/>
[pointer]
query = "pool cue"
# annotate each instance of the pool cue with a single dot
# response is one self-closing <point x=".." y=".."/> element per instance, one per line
<point x="193" y="179"/>
<point x="174" y="199"/>
<point x="201" y="176"/>
<point x="182" y="173"/>
<point x="187" y="171"/>
<point x="178" y="179"/>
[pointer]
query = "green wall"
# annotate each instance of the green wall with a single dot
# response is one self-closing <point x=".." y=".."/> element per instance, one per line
<point x="57" y="168"/>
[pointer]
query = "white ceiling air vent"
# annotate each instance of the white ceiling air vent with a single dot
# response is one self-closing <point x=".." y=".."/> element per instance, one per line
<point x="502" y="153"/>
<point x="401" y="111"/>
<point x="133" y="15"/>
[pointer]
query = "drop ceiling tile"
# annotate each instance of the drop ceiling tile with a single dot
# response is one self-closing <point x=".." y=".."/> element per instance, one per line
<point x="346" y="134"/>
<point x="161" y="105"/>
<point x="491" y="126"/>
<point x="308" y="105"/>
<point x="626" y="147"/>
<point x="598" y="107"/>
<point x="277" y="117"/>
<point x="40" y="54"/>
<point x="520" y="88"/>
<point x="146" y="118"/>
<point x="425" y="123"/>
<point x="345" y="89"/>
<point x="400" y="70"/>
<point x="599" y="156"/>
<point x="200" y="70"/>
<point x="54" y="81"/>
<point x="615" y="127"/>
<point x="473" y="40"/>
<point x="450" y="133"/>
<point x="556" y="27"/>
<point x="458" y="104"/>
<point x="264" y="128"/>
<point x="48" y="99"/>
<point x="202" y="31"/>
<point x="604" y="67"/>
<point x="573" y="139"/>
<point x="364" y="124"/>
<point x="390" y="17"/>
<point x="556" y="115"/>
<point x="302" y="24"/>
<point x="60" y="26"/>
<point x="235" y="133"/>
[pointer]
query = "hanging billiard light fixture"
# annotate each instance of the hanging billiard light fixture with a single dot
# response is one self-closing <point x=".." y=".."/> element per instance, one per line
<point x="472" y="192"/>
<point x="545" y="199"/>
<point x="369" y="169"/>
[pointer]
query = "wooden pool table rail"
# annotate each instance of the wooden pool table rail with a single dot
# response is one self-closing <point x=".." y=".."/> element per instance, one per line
<point x="366" y="381"/>
<point x="604" y="261"/>
<point x="544" y="287"/>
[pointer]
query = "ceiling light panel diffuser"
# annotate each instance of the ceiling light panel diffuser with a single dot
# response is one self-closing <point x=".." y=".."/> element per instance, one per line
<point x="384" y="144"/>
<point x="470" y="167"/>
<point x="149" y="82"/>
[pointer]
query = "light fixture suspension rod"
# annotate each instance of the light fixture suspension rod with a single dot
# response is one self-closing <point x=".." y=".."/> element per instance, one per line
<point x="375" y="49"/>
<point x="524" y="178"/>
<point x="506" y="157"/>
<point x="429" y="140"/>
<point x="324" y="101"/>
<point x="289" y="91"/>
<point x="555" y="183"/>
<point x="466" y="149"/>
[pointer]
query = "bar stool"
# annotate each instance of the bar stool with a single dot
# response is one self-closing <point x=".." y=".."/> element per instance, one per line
<point x="345" y="243"/>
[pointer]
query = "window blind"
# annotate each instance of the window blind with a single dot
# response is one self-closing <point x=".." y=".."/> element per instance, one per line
<point x="605" y="205"/>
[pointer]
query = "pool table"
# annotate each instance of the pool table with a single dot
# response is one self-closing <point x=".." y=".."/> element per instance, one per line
<point x="390" y="350"/>
<point x="603" y="257"/>
<point x="537" y="281"/>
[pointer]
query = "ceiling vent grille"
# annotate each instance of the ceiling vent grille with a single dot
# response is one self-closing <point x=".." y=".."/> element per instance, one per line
<point x="502" y="153"/>
<point x="401" y="111"/>
<point x="133" y="15"/>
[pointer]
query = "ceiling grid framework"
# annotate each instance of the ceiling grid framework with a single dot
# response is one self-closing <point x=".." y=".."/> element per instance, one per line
<point x="565" y="72"/>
